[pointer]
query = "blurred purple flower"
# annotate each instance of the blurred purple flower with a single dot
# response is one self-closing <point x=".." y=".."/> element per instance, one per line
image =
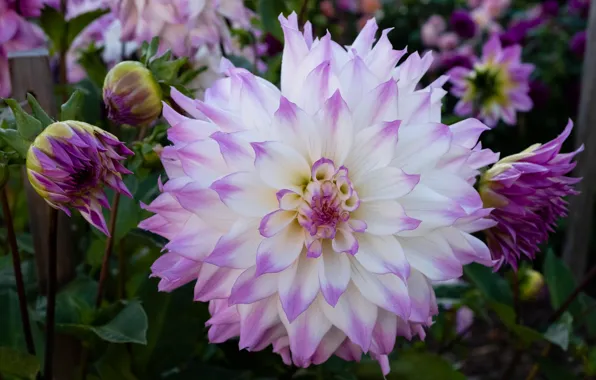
<point x="578" y="44"/>
<point x="456" y="60"/>
<point x="581" y="7"/>
<point x="464" y="317"/>
<point x="274" y="46"/>
<point x="431" y="29"/>
<point x="497" y="86"/>
<point x="539" y="93"/>
<point x="463" y="24"/>
<point x="526" y="191"/>
<point x="550" y="8"/>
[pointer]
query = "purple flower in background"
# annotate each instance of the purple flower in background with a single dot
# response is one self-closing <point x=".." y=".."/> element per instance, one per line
<point x="539" y="93"/>
<point x="16" y="34"/>
<point x="463" y="24"/>
<point x="526" y="191"/>
<point x="27" y="8"/>
<point x="70" y="162"/>
<point x="432" y="29"/>
<point x="274" y="46"/>
<point x="496" y="87"/>
<point x="457" y="60"/>
<point x="581" y="7"/>
<point x="578" y="44"/>
<point x="550" y="8"/>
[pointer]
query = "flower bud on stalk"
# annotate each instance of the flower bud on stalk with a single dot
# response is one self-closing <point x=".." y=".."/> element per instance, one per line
<point x="132" y="95"/>
<point x="69" y="163"/>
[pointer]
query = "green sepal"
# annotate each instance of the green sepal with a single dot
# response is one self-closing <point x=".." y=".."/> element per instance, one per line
<point x="28" y="126"/>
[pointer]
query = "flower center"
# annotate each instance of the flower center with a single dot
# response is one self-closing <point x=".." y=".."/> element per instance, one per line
<point x="324" y="211"/>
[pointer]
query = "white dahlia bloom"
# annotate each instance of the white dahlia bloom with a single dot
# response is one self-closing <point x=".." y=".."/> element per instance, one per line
<point x="315" y="218"/>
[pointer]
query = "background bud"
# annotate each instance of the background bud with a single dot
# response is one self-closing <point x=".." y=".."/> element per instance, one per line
<point x="132" y="95"/>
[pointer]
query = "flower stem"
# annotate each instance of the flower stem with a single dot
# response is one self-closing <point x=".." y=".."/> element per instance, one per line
<point x="576" y="292"/>
<point x="516" y="300"/>
<point x="16" y="264"/>
<point x="108" y="252"/>
<point x="51" y="296"/>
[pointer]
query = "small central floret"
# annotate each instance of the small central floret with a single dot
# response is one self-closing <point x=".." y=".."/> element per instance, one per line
<point x="324" y="211"/>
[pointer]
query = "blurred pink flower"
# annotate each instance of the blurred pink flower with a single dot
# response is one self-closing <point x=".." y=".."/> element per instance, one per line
<point x="16" y="34"/>
<point x="431" y="30"/>
<point x="447" y="41"/>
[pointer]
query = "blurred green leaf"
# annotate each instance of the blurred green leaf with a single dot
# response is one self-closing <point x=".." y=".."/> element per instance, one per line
<point x="561" y="283"/>
<point x="560" y="331"/>
<point x="13" y="139"/>
<point x="54" y="25"/>
<point x="16" y="363"/>
<point x="589" y="313"/>
<point x="28" y="126"/>
<point x="555" y="371"/>
<point x="414" y="365"/>
<point x="75" y="303"/>
<point x="95" y="67"/>
<point x="176" y="327"/>
<point x="11" y="332"/>
<point x="590" y="362"/>
<point x="166" y="70"/>
<point x="129" y="210"/>
<point x="77" y="24"/>
<point x="507" y="316"/>
<point x="269" y="10"/>
<point x="39" y="112"/>
<point x="492" y="286"/>
<point x="129" y="326"/>
<point x="115" y="364"/>
<point x="71" y="110"/>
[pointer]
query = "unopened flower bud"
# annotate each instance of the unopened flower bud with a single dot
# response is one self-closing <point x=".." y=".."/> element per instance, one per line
<point x="69" y="163"/>
<point x="132" y="95"/>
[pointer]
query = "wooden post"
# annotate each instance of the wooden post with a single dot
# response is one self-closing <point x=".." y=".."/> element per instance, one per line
<point x="30" y="73"/>
<point x="580" y="228"/>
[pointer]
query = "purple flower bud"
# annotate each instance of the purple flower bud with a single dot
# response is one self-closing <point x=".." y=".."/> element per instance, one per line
<point x="526" y="191"/>
<point x="132" y="95"/>
<point x="581" y="7"/>
<point x="70" y="162"/>
<point x="463" y="24"/>
<point x="578" y="44"/>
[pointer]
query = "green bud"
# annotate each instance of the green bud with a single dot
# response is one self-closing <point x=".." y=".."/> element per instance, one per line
<point x="132" y="95"/>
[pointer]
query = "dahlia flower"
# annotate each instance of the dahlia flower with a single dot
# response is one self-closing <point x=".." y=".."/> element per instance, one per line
<point x="16" y="34"/>
<point x="132" y="95"/>
<point x="463" y="24"/>
<point x="432" y="29"/>
<point x="496" y="87"/>
<point x="526" y="191"/>
<point x="314" y="218"/>
<point x="69" y="163"/>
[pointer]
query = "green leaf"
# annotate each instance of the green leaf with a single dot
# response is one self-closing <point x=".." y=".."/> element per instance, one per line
<point x="554" y="371"/>
<point x="94" y="65"/>
<point x="75" y="303"/>
<point x="13" y="139"/>
<point x="559" y="332"/>
<point x="16" y="363"/>
<point x="176" y="327"/>
<point x="492" y="286"/>
<point x="507" y="316"/>
<point x="165" y="70"/>
<point x="54" y="25"/>
<point x="561" y="283"/>
<point x="28" y="126"/>
<point x="77" y="24"/>
<point x="129" y="326"/>
<point x="39" y="112"/>
<point x="11" y="332"/>
<point x="269" y="10"/>
<point x="413" y="365"/>
<point x="589" y="313"/>
<point x="71" y="110"/>
<point x="115" y="364"/>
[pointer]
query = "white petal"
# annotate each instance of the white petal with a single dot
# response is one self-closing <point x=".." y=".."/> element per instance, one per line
<point x="280" y="166"/>
<point x="237" y="248"/>
<point x="298" y="286"/>
<point x="374" y="148"/>
<point x="334" y="275"/>
<point x="335" y="129"/>
<point x="384" y="217"/>
<point x="280" y="251"/>
<point x="382" y="255"/>
<point x="384" y="184"/>
<point x="296" y="129"/>
<point x="421" y="297"/>
<point x="251" y="287"/>
<point x="246" y="194"/>
<point x="385" y="290"/>
<point x="356" y="81"/>
<point x="421" y="146"/>
<point x="433" y="257"/>
<point x="353" y="314"/>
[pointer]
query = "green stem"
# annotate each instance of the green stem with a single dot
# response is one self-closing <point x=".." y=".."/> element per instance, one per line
<point x="108" y="252"/>
<point x="51" y="296"/>
<point x="16" y="264"/>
